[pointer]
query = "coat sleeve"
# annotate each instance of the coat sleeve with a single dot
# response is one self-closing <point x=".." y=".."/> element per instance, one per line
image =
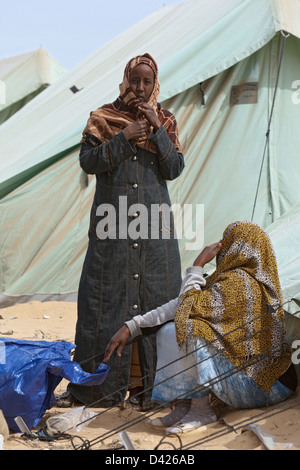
<point x="171" y="163"/>
<point x="106" y="156"/>
<point x="158" y="316"/>
<point x="193" y="279"/>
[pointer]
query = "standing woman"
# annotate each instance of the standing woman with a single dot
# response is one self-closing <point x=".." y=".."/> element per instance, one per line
<point x="132" y="147"/>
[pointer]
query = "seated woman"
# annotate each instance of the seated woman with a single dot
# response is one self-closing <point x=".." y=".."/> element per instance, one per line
<point x="224" y="335"/>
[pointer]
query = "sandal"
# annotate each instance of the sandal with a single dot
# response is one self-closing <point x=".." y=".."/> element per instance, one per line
<point x="156" y="423"/>
<point x="180" y="409"/>
<point x="135" y="399"/>
<point x="184" y="428"/>
<point x="67" y="400"/>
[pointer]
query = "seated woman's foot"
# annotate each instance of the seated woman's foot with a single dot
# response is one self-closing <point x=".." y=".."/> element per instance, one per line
<point x="199" y="416"/>
<point x="181" y="409"/>
<point x="184" y="428"/>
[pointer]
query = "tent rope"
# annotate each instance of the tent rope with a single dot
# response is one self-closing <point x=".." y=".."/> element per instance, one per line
<point x="167" y="404"/>
<point x="289" y="404"/>
<point x="88" y="444"/>
<point x="285" y="36"/>
<point x="270" y="311"/>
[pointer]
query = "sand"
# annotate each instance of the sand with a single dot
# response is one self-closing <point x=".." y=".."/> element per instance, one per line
<point x="55" y="321"/>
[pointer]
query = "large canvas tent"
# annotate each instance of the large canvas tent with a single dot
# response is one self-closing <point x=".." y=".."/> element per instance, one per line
<point x="285" y="236"/>
<point x="24" y="76"/>
<point x="219" y="63"/>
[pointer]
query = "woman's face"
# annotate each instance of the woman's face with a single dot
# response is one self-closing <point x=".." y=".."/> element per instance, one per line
<point x="142" y="81"/>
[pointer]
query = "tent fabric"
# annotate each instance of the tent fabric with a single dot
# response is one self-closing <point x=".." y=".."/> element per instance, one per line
<point x="24" y="76"/>
<point x="203" y="39"/>
<point x="44" y="230"/>
<point x="10" y="110"/>
<point x="224" y="145"/>
<point x="285" y="236"/>
<point x="223" y="46"/>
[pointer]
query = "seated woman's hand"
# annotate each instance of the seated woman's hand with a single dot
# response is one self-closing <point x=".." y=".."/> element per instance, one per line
<point x="207" y="254"/>
<point x="117" y="341"/>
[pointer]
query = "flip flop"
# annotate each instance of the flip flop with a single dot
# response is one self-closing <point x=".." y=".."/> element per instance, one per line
<point x="188" y="428"/>
<point x="156" y="423"/>
<point x="135" y="399"/>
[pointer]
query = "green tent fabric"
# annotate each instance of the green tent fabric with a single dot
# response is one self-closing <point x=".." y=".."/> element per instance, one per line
<point x="218" y="68"/>
<point x="285" y="236"/>
<point x="200" y="40"/>
<point x="23" y="77"/>
<point x="46" y="233"/>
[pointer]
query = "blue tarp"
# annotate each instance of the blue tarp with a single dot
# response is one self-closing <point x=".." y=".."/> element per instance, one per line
<point x="29" y="373"/>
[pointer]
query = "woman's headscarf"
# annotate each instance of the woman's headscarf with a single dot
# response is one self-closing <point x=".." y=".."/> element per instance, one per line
<point x="240" y="309"/>
<point x="111" y="118"/>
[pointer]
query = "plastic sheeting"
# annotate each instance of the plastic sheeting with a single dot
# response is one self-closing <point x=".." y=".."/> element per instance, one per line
<point x="267" y="438"/>
<point x="29" y="373"/>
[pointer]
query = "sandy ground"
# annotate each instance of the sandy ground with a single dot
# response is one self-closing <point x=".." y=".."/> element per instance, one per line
<point x="54" y="321"/>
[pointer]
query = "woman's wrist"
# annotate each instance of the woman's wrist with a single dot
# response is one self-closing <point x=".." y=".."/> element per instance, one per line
<point x="126" y="133"/>
<point x="157" y="125"/>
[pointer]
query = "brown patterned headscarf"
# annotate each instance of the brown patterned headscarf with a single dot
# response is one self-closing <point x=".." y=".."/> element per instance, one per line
<point x="240" y="309"/>
<point x="110" y="119"/>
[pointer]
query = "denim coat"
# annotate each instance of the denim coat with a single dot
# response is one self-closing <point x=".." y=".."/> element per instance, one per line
<point x="132" y="264"/>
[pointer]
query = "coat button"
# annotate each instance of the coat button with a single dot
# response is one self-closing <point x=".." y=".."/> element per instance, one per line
<point x="134" y="307"/>
<point x="134" y="157"/>
<point x="136" y="276"/>
<point x="135" y="245"/>
<point x="134" y="186"/>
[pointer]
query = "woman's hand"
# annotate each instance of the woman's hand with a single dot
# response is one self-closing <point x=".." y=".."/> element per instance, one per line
<point x="149" y="113"/>
<point x="207" y="254"/>
<point x="136" y="129"/>
<point x="117" y="341"/>
<point x="146" y="117"/>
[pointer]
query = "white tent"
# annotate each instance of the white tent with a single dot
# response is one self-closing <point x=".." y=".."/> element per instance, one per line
<point x="24" y="76"/>
<point x="219" y="63"/>
<point x="285" y="236"/>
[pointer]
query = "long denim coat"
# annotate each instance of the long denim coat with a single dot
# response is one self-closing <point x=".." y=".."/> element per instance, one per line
<point x="132" y="264"/>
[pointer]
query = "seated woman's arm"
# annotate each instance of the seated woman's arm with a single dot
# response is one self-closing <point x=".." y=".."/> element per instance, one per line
<point x="193" y="280"/>
<point x="158" y="316"/>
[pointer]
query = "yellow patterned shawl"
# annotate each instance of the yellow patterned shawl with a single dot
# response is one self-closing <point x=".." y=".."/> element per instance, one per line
<point x="230" y="312"/>
<point x="110" y="119"/>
